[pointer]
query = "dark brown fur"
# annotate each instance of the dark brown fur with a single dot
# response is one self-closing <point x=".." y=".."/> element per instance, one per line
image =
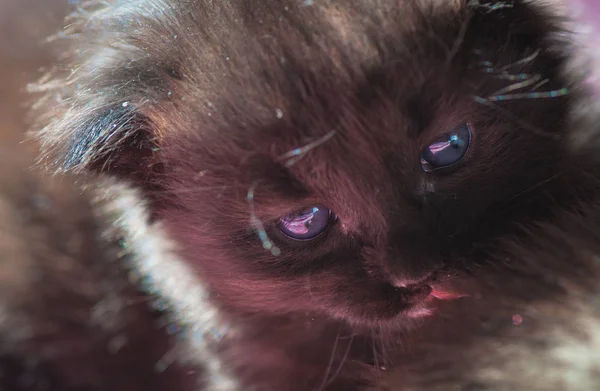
<point x="199" y="104"/>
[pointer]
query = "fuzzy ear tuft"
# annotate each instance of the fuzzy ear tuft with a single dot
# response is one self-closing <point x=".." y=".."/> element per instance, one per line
<point x="117" y="140"/>
<point x="96" y="140"/>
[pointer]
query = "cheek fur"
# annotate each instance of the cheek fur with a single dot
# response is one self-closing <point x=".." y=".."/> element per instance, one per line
<point x="256" y="281"/>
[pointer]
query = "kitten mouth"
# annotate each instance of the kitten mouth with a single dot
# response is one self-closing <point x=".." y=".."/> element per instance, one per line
<point x="416" y="293"/>
<point x="420" y="292"/>
<point x="434" y="286"/>
<point x="447" y="288"/>
<point x="424" y="293"/>
<point x="441" y="294"/>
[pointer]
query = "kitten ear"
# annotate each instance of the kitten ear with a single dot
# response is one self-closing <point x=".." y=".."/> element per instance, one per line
<point x="115" y="139"/>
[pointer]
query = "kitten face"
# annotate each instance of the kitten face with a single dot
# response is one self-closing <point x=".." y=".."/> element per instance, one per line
<point x="330" y="158"/>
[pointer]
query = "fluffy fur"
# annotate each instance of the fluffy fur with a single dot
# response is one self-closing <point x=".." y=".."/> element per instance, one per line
<point x="78" y="287"/>
<point x="230" y="115"/>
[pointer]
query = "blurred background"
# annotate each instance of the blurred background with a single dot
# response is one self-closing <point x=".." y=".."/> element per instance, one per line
<point x="23" y="26"/>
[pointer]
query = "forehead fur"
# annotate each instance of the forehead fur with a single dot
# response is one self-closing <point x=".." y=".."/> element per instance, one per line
<point x="157" y="65"/>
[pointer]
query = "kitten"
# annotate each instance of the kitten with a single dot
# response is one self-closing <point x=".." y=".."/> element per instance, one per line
<point x="331" y="171"/>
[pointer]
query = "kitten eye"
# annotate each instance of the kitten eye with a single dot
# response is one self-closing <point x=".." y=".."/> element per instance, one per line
<point x="306" y="224"/>
<point x="448" y="151"/>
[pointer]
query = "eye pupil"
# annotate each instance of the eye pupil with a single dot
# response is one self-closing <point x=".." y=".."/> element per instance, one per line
<point x="306" y="224"/>
<point x="455" y="142"/>
<point x="449" y="150"/>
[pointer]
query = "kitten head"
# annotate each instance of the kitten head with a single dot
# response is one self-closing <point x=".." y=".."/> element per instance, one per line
<point x="320" y="157"/>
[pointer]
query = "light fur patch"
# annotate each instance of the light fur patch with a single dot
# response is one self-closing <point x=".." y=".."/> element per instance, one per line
<point x="582" y="33"/>
<point x="579" y="357"/>
<point x="154" y="257"/>
<point x="571" y="361"/>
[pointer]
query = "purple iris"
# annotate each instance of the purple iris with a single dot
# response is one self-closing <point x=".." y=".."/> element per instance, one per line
<point x="306" y="224"/>
<point x="448" y="151"/>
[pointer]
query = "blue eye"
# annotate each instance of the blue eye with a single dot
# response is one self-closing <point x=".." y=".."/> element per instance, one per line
<point x="307" y="224"/>
<point x="448" y="151"/>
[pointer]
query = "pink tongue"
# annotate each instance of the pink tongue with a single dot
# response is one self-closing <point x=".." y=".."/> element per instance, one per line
<point x="443" y="295"/>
